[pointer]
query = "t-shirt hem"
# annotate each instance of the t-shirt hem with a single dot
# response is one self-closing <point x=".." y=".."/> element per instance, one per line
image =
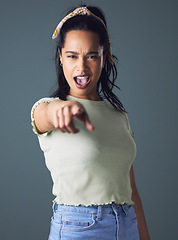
<point x="42" y="100"/>
<point x="94" y="204"/>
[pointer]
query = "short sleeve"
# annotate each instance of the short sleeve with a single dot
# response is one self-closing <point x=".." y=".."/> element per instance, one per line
<point x="42" y="100"/>
<point x="128" y="125"/>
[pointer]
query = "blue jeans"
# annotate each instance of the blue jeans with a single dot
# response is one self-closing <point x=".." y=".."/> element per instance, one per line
<point x="106" y="222"/>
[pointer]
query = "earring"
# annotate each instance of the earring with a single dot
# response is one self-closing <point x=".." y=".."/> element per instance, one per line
<point x="61" y="64"/>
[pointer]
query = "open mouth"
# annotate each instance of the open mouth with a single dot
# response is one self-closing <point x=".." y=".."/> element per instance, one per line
<point x="82" y="81"/>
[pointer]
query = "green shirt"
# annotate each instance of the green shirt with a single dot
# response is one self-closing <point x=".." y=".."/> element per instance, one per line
<point x="91" y="167"/>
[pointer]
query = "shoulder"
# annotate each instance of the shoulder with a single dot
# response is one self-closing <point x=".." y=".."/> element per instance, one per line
<point x="42" y="100"/>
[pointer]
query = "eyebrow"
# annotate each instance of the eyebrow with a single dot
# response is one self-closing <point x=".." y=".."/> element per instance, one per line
<point x="89" y="53"/>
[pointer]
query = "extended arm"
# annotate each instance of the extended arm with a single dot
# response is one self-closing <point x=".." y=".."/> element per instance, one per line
<point x="142" y="227"/>
<point x="59" y="115"/>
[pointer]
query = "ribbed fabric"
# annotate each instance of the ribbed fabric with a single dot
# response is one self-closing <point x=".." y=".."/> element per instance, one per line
<point x="91" y="168"/>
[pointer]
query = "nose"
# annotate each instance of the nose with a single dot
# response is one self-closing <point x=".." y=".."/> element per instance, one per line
<point x="82" y="66"/>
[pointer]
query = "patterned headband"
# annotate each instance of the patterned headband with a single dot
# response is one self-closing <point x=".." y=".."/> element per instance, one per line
<point x="81" y="11"/>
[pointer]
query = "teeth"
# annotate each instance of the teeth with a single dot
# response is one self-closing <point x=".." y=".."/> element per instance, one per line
<point x="82" y="77"/>
<point x="82" y="80"/>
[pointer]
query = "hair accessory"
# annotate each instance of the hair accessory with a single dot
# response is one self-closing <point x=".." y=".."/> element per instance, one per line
<point x="82" y="11"/>
<point x="77" y="11"/>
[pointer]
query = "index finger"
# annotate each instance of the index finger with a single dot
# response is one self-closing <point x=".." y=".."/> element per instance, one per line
<point x="83" y="117"/>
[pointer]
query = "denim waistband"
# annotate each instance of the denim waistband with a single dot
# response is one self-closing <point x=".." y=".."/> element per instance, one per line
<point x="104" y="209"/>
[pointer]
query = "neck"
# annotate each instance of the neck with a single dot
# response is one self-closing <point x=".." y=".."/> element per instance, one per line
<point x="92" y="97"/>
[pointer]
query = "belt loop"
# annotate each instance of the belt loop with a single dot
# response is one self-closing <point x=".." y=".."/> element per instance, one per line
<point x="54" y="206"/>
<point x="125" y="209"/>
<point x="99" y="213"/>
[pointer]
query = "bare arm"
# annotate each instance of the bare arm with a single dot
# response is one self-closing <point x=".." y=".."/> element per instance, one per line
<point x="142" y="227"/>
<point x="59" y="115"/>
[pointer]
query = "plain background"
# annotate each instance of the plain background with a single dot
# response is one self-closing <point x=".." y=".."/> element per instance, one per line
<point x="144" y="37"/>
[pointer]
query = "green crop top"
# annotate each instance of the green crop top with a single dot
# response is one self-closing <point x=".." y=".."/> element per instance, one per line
<point x="90" y="168"/>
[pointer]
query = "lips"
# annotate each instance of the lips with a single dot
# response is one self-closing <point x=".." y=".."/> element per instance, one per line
<point x="82" y="81"/>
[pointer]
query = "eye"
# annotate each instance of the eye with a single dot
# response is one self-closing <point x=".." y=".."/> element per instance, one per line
<point x="71" y="56"/>
<point x="92" y="57"/>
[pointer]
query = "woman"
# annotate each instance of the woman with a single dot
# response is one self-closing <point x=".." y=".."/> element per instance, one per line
<point x="91" y="168"/>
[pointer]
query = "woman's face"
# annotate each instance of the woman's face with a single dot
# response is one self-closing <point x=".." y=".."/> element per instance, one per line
<point x="82" y="61"/>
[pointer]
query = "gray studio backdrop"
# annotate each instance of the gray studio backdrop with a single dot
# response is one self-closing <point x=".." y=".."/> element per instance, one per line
<point x="144" y="37"/>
